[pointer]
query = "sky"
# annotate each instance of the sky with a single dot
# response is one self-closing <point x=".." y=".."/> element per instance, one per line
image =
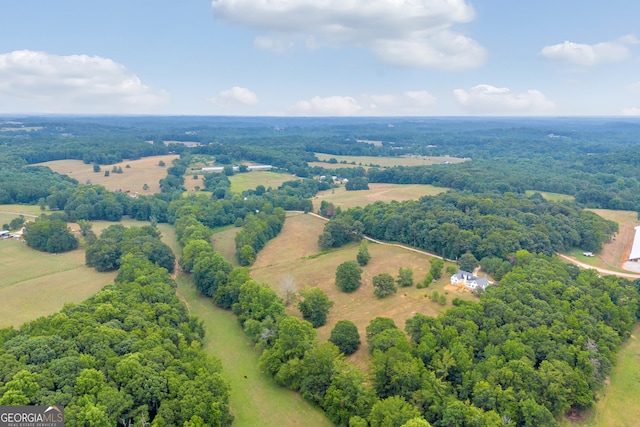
<point x="321" y="57"/>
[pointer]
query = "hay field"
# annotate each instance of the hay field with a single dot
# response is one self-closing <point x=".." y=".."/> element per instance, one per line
<point x="255" y="398"/>
<point x="376" y="192"/>
<point x="142" y="171"/>
<point x="385" y="162"/>
<point x="35" y="284"/>
<point x="295" y="252"/>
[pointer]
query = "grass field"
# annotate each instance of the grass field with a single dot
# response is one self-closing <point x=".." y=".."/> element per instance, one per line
<point x="255" y="399"/>
<point x="35" y="284"/>
<point x="224" y="242"/>
<point x="553" y="197"/>
<point x="617" y="404"/>
<point x="366" y="161"/>
<point x="295" y="252"/>
<point x="142" y="171"/>
<point x="250" y="180"/>
<point x="383" y="192"/>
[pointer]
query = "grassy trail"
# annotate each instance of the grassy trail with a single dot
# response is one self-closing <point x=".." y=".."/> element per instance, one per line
<point x="255" y="399"/>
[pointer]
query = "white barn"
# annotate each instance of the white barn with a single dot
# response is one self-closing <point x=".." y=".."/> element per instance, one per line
<point x="635" y="248"/>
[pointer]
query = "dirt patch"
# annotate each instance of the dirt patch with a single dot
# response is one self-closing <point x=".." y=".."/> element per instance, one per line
<point x="577" y="416"/>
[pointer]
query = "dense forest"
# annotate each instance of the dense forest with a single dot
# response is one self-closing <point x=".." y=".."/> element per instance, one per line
<point x="537" y="345"/>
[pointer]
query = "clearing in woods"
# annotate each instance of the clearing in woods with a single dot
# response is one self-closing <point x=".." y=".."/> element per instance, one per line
<point x="295" y="252"/>
<point x="142" y="171"/>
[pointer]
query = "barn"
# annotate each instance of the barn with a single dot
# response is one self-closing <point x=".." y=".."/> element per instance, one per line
<point x="635" y="248"/>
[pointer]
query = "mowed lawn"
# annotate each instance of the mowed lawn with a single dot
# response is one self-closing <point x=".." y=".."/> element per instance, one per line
<point x="142" y="171"/>
<point x="376" y="192"/>
<point x="366" y="161"/>
<point x="35" y="284"/>
<point x="617" y="404"/>
<point x="255" y="399"/>
<point x="295" y="252"/>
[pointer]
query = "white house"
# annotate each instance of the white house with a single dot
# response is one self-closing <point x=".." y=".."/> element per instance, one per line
<point x="469" y="281"/>
<point x="635" y="249"/>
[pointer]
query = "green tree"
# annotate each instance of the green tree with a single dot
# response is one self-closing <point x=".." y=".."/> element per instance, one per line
<point x="345" y="335"/>
<point x="384" y="285"/>
<point x="405" y="277"/>
<point x="247" y="255"/>
<point x="50" y="236"/>
<point x="363" y="256"/>
<point x="436" y="267"/>
<point x="467" y="262"/>
<point x="348" y="276"/>
<point x="426" y="282"/>
<point x="314" y="306"/>
<point x="393" y="411"/>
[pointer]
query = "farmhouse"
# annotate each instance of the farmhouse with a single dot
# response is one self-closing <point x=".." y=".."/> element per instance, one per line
<point x="635" y="248"/>
<point x="469" y="281"/>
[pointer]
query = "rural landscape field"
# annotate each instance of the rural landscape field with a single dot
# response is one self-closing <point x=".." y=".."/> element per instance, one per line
<point x="246" y="266"/>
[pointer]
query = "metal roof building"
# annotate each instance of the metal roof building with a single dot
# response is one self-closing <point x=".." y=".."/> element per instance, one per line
<point x="635" y="249"/>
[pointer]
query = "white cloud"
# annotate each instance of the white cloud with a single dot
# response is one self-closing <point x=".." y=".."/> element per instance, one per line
<point x="41" y="82"/>
<point x="487" y="99"/>
<point x="236" y="96"/>
<point x="405" y="104"/>
<point x="588" y="55"/>
<point x="631" y="111"/>
<point x="399" y="32"/>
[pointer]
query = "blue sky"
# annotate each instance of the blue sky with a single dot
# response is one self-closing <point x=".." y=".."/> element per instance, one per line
<point x="321" y="57"/>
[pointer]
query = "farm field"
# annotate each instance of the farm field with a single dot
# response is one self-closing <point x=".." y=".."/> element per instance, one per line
<point x="37" y="284"/>
<point x="224" y="242"/>
<point x="385" y="162"/>
<point x="255" y="399"/>
<point x="617" y="404"/>
<point x="295" y="252"/>
<point x="142" y="171"/>
<point x="376" y="192"/>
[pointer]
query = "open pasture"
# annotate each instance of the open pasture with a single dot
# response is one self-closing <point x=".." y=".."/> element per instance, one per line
<point x="255" y="399"/>
<point x="383" y="162"/>
<point x="376" y="192"/>
<point x="250" y="180"/>
<point x="141" y="171"/>
<point x="35" y="284"/>
<point x="295" y="252"/>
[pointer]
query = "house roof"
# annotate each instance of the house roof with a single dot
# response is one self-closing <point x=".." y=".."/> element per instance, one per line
<point x="465" y="275"/>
